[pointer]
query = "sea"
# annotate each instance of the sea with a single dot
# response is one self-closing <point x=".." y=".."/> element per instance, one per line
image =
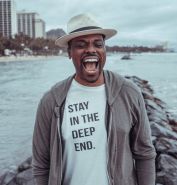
<point x="22" y="84"/>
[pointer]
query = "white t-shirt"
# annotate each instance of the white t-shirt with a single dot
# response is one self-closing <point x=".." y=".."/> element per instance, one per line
<point x="84" y="136"/>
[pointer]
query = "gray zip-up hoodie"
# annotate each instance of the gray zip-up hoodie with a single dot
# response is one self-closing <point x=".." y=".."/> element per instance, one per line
<point x="131" y="155"/>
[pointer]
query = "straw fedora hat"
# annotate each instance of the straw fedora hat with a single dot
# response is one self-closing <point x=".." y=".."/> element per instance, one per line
<point x="83" y="24"/>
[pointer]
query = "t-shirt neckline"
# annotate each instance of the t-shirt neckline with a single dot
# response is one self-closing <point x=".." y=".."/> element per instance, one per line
<point x="77" y="84"/>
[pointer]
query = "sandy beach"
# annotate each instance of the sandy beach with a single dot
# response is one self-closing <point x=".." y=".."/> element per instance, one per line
<point x="24" y="58"/>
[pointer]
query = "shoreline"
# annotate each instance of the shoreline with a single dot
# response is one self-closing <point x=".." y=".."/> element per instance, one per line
<point x="4" y="59"/>
<point x="27" y="58"/>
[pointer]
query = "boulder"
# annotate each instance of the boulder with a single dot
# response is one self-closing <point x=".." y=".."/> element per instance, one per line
<point x="166" y="146"/>
<point x="160" y="131"/>
<point x="166" y="170"/>
<point x="25" y="165"/>
<point x="7" y="178"/>
<point x="25" y="177"/>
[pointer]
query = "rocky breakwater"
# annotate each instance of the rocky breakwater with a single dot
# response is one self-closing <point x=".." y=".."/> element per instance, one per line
<point x="164" y="135"/>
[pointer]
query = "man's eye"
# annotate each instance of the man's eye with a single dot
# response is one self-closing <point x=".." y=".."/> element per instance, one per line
<point x="99" y="44"/>
<point x="80" y="45"/>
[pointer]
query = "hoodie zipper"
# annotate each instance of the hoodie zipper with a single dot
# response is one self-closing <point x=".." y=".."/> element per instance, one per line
<point x="109" y="124"/>
<point x="60" y="145"/>
<point x="59" y="120"/>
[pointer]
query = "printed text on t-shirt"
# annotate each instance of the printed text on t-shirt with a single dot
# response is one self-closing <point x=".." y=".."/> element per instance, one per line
<point x="82" y="119"/>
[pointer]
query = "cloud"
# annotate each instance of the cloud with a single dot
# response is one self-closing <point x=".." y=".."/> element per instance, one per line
<point x="137" y="22"/>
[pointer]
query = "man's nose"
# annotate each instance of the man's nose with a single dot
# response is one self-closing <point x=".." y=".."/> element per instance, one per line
<point x="91" y="49"/>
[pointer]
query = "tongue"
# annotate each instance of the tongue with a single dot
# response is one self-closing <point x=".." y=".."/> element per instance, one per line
<point x="90" y="66"/>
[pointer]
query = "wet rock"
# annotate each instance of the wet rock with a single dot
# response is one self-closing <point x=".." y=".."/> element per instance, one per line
<point x="152" y="105"/>
<point x="172" y="121"/>
<point x="22" y="176"/>
<point x="143" y="84"/>
<point x="166" y="170"/>
<point x="25" y="177"/>
<point x="25" y="165"/>
<point x="159" y="119"/>
<point x="159" y="131"/>
<point x="147" y="95"/>
<point x="160" y="103"/>
<point x="7" y="178"/>
<point x="166" y="146"/>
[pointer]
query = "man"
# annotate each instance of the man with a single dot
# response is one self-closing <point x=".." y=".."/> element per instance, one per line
<point x="92" y="128"/>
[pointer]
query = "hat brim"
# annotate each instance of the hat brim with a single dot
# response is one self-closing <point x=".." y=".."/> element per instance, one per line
<point x="63" y="40"/>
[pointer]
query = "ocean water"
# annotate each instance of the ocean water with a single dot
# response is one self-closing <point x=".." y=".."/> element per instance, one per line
<point x="23" y="83"/>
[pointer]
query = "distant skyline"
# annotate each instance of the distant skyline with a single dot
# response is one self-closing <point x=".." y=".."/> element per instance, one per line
<point x="139" y="22"/>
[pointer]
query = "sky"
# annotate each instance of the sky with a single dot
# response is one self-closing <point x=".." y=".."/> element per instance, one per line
<point x="140" y="22"/>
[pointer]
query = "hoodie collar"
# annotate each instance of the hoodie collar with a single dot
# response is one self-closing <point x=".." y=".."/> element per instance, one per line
<point x="113" y="84"/>
<point x="60" y="90"/>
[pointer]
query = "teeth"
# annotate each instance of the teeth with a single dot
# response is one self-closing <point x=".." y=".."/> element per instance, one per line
<point x="91" y="60"/>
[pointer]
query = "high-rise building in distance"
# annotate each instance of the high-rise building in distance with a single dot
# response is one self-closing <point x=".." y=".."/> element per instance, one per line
<point x="29" y="23"/>
<point x="8" y="18"/>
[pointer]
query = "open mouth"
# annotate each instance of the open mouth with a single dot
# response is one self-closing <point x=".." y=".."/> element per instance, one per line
<point x="90" y="64"/>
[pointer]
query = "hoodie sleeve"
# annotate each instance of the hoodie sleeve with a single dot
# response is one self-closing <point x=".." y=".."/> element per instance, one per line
<point x="142" y="147"/>
<point x="41" y="148"/>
